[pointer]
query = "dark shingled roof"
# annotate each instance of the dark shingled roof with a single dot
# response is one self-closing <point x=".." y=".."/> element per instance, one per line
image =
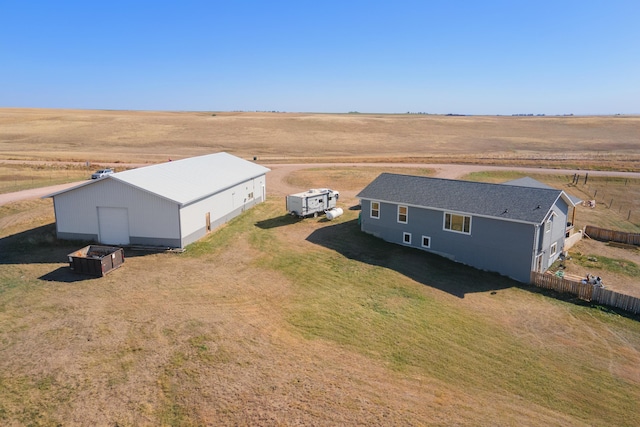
<point x="510" y="202"/>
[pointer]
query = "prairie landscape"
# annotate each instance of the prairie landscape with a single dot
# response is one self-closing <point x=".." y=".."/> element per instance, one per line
<point x="600" y="142"/>
<point x="275" y="321"/>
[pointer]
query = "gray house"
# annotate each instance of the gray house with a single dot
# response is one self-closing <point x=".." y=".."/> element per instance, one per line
<point x="169" y="204"/>
<point x="508" y="229"/>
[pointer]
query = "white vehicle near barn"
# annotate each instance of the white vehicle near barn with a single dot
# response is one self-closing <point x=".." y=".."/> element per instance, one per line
<point x="312" y="202"/>
<point x="102" y="173"/>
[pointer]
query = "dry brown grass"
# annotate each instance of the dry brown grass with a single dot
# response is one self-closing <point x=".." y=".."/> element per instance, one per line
<point x="272" y="321"/>
<point x="126" y="136"/>
<point x="255" y="326"/>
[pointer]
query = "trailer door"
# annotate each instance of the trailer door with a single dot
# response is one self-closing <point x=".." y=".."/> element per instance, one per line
<point x="113" y="225"/>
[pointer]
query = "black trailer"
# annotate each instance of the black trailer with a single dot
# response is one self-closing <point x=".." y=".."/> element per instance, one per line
<point x="96" y="260"/>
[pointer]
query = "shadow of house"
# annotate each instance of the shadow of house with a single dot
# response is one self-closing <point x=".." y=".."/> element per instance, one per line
<point x="423" y="267"/>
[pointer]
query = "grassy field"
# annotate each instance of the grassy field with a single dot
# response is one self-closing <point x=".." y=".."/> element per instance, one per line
<point x="339" y="328"/>
<point x="142" y="136"/>
<point x="18" y="177"/>
<point x="272" y="320"/>
<point x="623" y="214"/>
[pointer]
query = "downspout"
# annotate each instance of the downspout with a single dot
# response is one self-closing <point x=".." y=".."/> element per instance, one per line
<point x="55" y="215"/>
<point x="534" y="251"/>
<point x="180" y="226"/>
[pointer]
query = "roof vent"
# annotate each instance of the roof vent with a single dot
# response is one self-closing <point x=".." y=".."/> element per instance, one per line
<point x="505" y="211"/>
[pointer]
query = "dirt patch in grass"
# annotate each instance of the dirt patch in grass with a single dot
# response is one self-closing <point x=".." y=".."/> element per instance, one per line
<point x="617" y="267"/>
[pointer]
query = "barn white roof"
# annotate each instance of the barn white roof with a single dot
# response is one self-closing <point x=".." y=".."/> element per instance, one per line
<point x="187" y="180"/>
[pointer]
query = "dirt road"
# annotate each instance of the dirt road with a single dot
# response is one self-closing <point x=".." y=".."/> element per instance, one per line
<point x="277" y="177"/>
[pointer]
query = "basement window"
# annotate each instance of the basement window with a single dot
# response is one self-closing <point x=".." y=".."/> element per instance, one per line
<point x="426" y="241"/>
<point x="406" y="238"/>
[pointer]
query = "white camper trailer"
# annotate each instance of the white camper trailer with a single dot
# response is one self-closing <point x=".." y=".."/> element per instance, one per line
<point x="312" y="202"/>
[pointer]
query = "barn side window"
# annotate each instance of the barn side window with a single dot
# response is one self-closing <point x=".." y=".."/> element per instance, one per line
<point x="458" y="223"/>
<point x="403" y="214"/>
<point x="375" y="209"/>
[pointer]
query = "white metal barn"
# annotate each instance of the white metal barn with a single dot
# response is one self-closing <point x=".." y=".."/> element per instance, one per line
<point x="169" y="204"/>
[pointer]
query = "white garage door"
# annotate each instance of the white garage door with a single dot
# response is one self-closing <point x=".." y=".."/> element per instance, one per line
<point x="113" y="224"/>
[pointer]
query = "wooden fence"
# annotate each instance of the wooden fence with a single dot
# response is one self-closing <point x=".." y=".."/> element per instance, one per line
<point x="587" y="292"/>
<point x="612" y="235"/>
<point x="614" y="299"/>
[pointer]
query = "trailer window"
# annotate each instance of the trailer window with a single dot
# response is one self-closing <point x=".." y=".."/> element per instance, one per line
<point x="375" y="209"/>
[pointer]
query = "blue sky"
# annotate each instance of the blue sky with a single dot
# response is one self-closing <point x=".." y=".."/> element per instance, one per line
<point x="466" y="57"/>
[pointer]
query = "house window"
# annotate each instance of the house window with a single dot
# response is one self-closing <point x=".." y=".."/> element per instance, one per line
<point x="403" y="214"/>
<point x="458" y="223"/>
<point x="406" y="238"/>
<point x="426" y="241"/>
<point x="549" y="224"/>
<point x="554" y="249"/>
<point x="375" y="209"/>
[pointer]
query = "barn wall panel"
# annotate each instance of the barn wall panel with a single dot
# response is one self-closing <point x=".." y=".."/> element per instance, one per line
<point x="149" y="215"/>
<point x="222" y="207"/>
